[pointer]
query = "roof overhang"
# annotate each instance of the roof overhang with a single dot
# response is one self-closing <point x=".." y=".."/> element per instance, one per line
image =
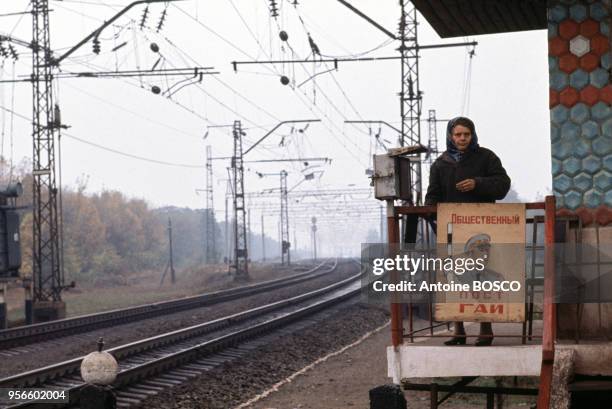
<point x="458" y="18"/>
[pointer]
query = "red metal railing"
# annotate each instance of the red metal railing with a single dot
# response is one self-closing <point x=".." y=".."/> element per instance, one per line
<point x="549" y="308"/>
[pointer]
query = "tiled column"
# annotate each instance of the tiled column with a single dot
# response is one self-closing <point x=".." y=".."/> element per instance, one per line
<point x="580" y="107"/>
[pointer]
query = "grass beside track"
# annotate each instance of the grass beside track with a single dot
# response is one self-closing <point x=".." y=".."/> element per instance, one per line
<point x="144" y="288"/>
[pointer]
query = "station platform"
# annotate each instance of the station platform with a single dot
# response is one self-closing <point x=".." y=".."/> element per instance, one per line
<point x="428" y="357"/>
<point x="344" y="379"/>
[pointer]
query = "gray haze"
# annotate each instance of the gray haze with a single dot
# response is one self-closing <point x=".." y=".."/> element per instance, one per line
<point x="508" y="98"/>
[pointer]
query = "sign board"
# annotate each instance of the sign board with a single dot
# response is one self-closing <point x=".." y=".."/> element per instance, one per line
<point x="500" y="230"/>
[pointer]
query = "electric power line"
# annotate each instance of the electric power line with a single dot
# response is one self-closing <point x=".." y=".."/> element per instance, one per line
<point x="112" y="150"/>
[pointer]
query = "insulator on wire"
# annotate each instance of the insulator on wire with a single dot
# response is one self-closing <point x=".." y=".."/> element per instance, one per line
<point x="313" y="46"/>
<point x="162" y="20"/>
<point x="13" y="52"/>
<point x="3" y="51"/>
<point x="143" y="19"/>
<point x="96" y="46"/>
<point x="273" y="8"/>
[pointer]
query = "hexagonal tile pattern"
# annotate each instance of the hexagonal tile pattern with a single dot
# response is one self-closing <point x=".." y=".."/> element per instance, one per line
<point x="589" y="62"/>
<point x="608" y="198"/>
<point x="579" y="113"/>
<point x="585" y="214"/>
<point x="603" y="181"/>
<point x="604" y="27"/>
<point x="601" y="111"/>
<point x="553" y="29"/>
<point x="568" y="29"/>
<point x="569" y="96"/>
<point x="558" y="13"/>
<point x="582" y="148"/>
<point x="558" y="80"/>
<point x="562" y="183"/>
<point x="580" y="98"/>
<point x="606" y="94"/>
<point x="591" y="164"/>
<point x="559" y="199"/>
<point x="555" y="167"/>
<point x="602" y="145"/>
<point x="573" y="200"/>
<point x="562" y="150"/>
<point x="570" y="131"/>
<point x="606" y="127"/>
<point x="559" y="114"/>
<point x="599" y="78"/>
<point x="589" y="27"/>
<point x="605" y="61"/>
<point x="579" y="46"/>
<point x="589" y="129"/>
<point x="568" y="63"/>
<point x="553" y="98"/>
<point x="599" y="44"/>
<point x="607" y="163"/>
<point x="571" y="166"/>
<point x="589" y="95"/>
<point x="555" y="132"/>
<point x="578" y="12"/>
<point x="593" y="198"/>
<point x="552" y="63"/>
<point x="578" y="78"/>
<point x="597" y="11"/>
<point x="583" y="182"/>
<point x="557" y="46"/>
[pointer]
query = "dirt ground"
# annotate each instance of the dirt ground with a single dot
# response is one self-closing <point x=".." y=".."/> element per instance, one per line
<point x="343" y="381"/>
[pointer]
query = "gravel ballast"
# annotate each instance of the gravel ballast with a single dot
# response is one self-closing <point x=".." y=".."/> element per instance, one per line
<point x="237" y="381"/>
<point x="61" y="349"/>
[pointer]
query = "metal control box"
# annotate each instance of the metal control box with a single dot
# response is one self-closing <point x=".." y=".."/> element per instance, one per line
<point x="10" y="249"/>
<point x="391" y="177"/>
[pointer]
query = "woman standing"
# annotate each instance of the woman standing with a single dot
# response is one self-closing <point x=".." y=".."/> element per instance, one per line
<point x="466" y="173"/>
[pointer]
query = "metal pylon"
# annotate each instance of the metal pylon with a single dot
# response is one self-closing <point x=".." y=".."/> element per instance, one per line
<point x="211" y="249"/>
<point x="432" y="145"/>
<point x="410" y="94"/>
<point x="284" y="213"/>
<point x="47" y="268"/>
<point x="241" y="267"/>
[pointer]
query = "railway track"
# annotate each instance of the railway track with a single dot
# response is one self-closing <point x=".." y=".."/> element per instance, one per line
<point x="154" y="364"/>
<point x="13" y="340"/>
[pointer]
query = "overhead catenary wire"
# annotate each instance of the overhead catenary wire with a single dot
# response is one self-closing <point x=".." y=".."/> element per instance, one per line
<point x="208" y="94"/>
<point x="297" y="92"/>
<point x="113" y="150"/>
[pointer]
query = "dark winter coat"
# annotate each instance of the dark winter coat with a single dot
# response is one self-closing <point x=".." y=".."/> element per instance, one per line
<point x="481" y="164"/>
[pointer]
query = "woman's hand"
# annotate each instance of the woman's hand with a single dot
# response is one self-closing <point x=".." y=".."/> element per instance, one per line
<point x="466" y="185"/>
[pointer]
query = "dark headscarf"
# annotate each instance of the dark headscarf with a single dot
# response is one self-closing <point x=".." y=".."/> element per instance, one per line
<point x="452" y="150"/>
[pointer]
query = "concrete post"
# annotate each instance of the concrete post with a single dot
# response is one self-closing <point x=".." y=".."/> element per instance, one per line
<point x="99" y="370"/>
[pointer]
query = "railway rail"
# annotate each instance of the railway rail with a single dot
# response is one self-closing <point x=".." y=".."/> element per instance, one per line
<point x="153" y="364"/>
<point x="29" y="334"/>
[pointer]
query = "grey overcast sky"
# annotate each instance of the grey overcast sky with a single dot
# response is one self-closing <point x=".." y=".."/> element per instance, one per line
<point x="508" y="97"/>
